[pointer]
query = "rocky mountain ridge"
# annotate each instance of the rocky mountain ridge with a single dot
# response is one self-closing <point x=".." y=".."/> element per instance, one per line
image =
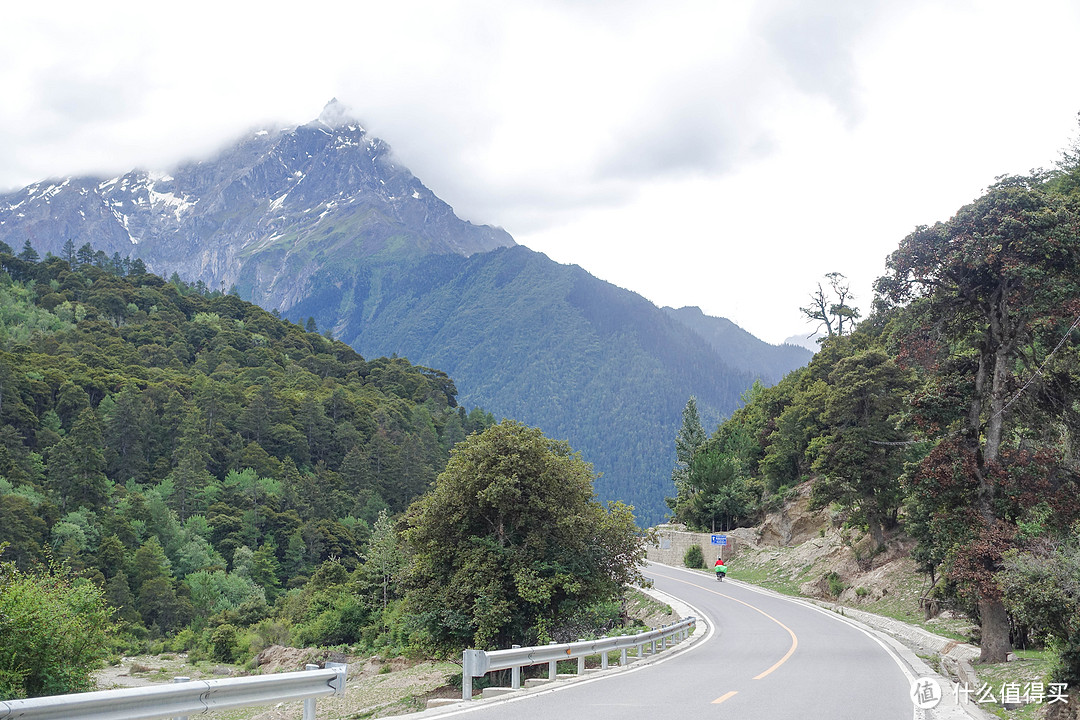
<point x="262" y="215"/>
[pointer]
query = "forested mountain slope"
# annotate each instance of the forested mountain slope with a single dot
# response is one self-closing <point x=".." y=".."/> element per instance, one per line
<point x="741" y="349"/>
<point x="547" y="344"/>
<point x="132" y="408"/>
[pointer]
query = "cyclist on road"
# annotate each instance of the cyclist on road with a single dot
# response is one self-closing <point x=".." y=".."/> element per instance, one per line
<point x="720" y="568"/>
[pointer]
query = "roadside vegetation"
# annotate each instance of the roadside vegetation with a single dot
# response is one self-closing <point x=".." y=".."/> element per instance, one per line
<point x="948" y="419"/>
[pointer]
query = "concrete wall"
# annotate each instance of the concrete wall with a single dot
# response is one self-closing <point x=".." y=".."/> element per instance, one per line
<point x="675" y="541"/>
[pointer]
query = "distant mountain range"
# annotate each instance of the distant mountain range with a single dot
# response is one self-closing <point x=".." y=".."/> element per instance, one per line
<point x="319" y="221"/>
<point x="803" y="341"/>
<point x="740" y="348"/>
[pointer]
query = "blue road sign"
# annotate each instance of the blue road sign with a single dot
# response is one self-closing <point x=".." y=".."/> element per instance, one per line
<point x="719" y="539"/>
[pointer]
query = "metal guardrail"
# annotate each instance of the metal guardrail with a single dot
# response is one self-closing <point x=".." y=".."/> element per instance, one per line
<point x="181" y="699"/>
<point x="477" y="663"/>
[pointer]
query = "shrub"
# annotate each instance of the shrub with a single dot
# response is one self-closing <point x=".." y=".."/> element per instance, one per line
<point x="183" y="641"/>
<point x="836" y="585"/>
<point x="1042" y="589"/>
<point x="341" y="623"/>
<point x="693" y="557"/>
<point x="223" y="641"/>
<point x="266" y="633"/>
<point x="391" y="631"/>
<point x="54" y="632"/>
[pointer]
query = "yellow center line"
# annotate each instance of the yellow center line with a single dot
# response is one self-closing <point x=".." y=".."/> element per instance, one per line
<point x="724" y="697"/>
<point x="794" y="639"/>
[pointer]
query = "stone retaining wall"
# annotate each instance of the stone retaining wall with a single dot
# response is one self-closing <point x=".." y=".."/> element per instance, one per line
<point x="675" y="541"/>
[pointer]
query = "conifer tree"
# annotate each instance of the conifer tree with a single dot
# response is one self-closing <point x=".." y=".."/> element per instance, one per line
<point x="29" y="254"/>
<point x="690" y="437"/>
<point x="77" y="465"/>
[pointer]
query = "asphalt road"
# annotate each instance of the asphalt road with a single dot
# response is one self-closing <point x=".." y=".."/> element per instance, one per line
<point x="764" y="656"/>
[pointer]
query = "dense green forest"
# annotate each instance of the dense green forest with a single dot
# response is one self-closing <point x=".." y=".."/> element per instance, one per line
<point x="951" y="414"/>
<point x="181" y="470"/>
<point x="192" y="455"/>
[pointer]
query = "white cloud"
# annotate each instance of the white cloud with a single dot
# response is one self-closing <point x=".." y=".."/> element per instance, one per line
<point x="721" y="154"/>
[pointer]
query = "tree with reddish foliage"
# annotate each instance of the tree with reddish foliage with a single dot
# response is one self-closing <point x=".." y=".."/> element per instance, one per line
<point x="998" y="281"/>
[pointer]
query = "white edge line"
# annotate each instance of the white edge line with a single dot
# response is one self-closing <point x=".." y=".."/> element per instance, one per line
<point x="869" y="632"/>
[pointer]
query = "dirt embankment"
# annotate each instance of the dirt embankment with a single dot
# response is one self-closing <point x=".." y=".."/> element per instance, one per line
<point x="809" y="552"/>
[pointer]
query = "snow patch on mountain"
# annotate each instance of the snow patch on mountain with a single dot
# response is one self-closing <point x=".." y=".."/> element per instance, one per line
<point x="253" y="215"/>
<point x="277" y="202"/>
<point x="178" y="205"/>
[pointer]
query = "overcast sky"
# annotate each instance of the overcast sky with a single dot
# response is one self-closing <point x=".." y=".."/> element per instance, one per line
<point x="725" y="154"/>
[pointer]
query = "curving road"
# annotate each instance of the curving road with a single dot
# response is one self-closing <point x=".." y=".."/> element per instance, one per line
<point x="763" y="656"/>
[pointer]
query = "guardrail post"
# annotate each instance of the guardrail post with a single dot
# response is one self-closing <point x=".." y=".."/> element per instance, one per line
<point x="515" y="673"/>
<point x="181" y="679"/>
<point x="553" y="665"/>
<point x="581" y="660"/>
<point x="474" y="663"/>
<point x="466" y="675"/>
<point x="622" y="658"/>
<point x="309" y="703"/>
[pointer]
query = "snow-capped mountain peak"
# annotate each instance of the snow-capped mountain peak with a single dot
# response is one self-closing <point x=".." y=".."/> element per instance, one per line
<point x="337" y="115"/>
<point x="278" y="204"/>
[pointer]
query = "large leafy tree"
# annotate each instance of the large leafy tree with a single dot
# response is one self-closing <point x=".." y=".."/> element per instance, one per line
<point x="999" y="279"/>
<point x="722" y="495"/>
<point x="510" y="543"/>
